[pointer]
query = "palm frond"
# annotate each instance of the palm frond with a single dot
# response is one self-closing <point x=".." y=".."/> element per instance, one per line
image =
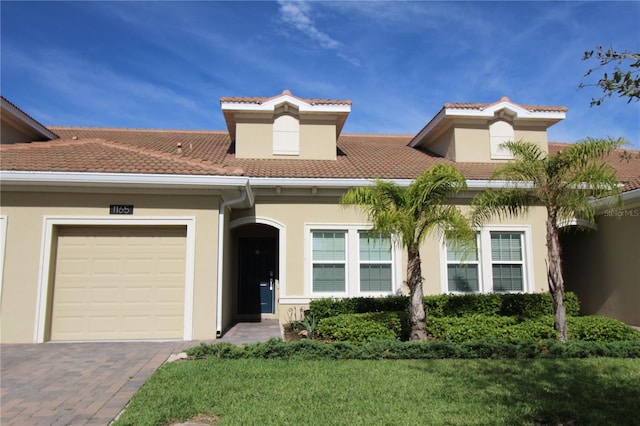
<point x="500" y="203"/>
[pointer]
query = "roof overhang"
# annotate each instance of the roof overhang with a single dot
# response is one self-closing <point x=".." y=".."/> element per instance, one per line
<point x="166" y="181"/>
<point x="510" y="111"/>
<point x="18" y="119"/>
<point x="232" y="107"/>
<point x="228" y="187"/>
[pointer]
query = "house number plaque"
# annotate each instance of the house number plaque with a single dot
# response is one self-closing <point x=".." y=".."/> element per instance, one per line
<point x="121" y="209"/>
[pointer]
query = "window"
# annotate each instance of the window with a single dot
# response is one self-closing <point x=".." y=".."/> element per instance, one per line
<point x="463" y="269"/>
<point x="375" y="263"/>
<point x="500" y="264"/>
<point x="506" y="261"/>
<point x="349" y="261"/>
<point x="286" y="135"/>
<point x="329" y="266"/>
<point x="500" y="132"/>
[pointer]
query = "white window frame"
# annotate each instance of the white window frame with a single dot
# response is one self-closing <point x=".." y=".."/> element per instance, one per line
<point x="447" y="262"/>
<point x="344" y="261"/>
<point x="374" y="262"/>
<point x="522" y="261"/>
<point x="352" y="262"/>
<point x="486" y="262"/>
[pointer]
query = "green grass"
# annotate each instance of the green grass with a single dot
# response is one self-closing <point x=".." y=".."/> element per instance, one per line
<point x="596" y="391"/>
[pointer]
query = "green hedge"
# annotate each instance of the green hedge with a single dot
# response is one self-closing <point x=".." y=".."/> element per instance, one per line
<point x="394" y="349"/>
<point x="599" y="329"/>
<point x="325" y="308"/>
<point x="364" y="327"/>
<point x="522" y="305"/>
<point x="477" y="327"/>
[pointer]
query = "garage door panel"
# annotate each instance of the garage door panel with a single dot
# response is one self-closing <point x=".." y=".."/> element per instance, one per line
<point x="118" y="283"/>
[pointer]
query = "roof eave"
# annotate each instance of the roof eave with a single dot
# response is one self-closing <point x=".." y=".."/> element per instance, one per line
<point x="25" y="120"/>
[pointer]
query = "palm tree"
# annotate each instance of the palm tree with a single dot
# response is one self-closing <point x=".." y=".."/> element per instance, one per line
<point x="562" y="183"/>
<point x="408" y="215"/>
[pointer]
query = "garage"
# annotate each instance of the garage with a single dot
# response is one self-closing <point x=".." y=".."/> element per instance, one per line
<point x="118" y="283"/>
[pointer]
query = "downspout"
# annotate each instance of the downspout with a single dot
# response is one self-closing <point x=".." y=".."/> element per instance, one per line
<point x="221" y="212"/>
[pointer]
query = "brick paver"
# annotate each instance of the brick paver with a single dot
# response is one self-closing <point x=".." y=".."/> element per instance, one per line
<point x="88" y="383"/>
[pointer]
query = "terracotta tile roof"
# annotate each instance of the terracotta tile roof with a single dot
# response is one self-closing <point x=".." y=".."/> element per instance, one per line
<point x="261" y="100"/>
<point x="103" y="156"/>
<point x="212" y="153"/>
<point x="625" y="161"/>
<point x="631" y="185"/>
<point x="532" y="108"/>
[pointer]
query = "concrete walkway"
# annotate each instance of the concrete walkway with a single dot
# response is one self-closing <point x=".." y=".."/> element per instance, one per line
<point x="89" y="383"/>
<point x="252" y="332"/>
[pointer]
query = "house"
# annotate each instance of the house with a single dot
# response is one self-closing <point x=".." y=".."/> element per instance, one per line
<point x="130" y="234"/>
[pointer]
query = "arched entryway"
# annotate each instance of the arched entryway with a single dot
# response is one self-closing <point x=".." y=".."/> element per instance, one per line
<point x="256" y="269"/>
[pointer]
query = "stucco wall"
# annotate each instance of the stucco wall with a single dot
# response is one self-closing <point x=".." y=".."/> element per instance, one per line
<point x="295" y="213"/>
<point x="254" y="138"/>
<point x="24" y="238"/>
<point x="602" y="266"/>
<point x="472" y="141"/>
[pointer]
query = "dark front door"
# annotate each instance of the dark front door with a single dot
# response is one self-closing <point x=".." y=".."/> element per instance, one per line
<point x="256" y="276"/>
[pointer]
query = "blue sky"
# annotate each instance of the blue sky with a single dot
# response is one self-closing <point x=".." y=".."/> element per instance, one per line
<point x="166" y="64"/>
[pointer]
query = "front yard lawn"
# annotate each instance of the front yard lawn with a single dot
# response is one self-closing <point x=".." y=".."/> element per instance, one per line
<point x="594" y="391"/>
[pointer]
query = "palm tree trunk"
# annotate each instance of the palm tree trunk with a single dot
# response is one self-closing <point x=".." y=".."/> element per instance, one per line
<point x="556" y="282"/>
<point x="417" y="317"/>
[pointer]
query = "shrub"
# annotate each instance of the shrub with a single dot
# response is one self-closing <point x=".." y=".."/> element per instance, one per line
<point x="456" y="305"/>
<point x="394" y="349"/>
<point x="470" y="327"/>
<point x="535" y="305"/>
<point x="600" y="329"/>
<point x="522" y="305"/>
<point x="364" y="327"/>
<point x="474" y="327"/>
<point x="325" y="308"/>
<point x="536" y="329"/>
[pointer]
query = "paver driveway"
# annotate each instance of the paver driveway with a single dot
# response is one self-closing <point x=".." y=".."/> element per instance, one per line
<point x="75" y="383"/>
<point x="90" y="383"/>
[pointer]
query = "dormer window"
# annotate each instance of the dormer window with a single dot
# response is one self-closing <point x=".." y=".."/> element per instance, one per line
<point x="470" y="133"/>
<point x="499" y="133"/>
<point x="286" y="135"/>
<point x="285" y="126"/>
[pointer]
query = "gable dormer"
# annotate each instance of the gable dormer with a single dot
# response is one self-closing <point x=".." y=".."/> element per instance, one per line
<point x="475" y="132"/>
<point x="285" y="126"/>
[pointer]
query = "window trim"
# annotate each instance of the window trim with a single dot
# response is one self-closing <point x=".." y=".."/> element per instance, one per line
<point x="344" y="261"/>
<point x="352" y="262"/>
<point x="373" y="262"/>
<point x="445" y="269"/>
<point x="522" y="261"/>
<point x="485" y="261"/>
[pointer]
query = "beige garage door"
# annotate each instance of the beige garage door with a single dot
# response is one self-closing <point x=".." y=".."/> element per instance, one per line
<point x="119" y="283"/>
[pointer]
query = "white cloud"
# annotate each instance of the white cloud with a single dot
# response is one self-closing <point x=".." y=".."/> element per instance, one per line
<point x="298" y="15"/>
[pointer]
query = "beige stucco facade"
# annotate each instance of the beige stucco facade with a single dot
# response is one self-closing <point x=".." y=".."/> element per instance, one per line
<point x="296" y="217"/>
<point x="26" y="215"/>
<point x="231" y="225"/>
<point x="469" y="141"/>
<point x="316" y="138"/>
<point x="287" y="218"/>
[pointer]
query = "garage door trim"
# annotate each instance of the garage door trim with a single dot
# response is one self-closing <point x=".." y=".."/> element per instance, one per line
<point x="45" y="286"/>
